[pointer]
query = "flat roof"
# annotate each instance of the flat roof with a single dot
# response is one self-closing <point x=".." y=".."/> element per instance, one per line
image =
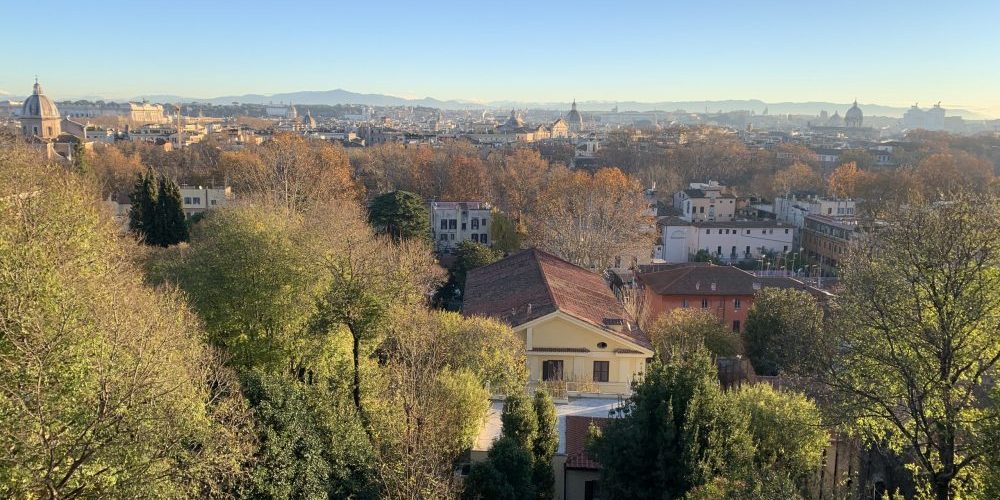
<point x="582" y="407"/>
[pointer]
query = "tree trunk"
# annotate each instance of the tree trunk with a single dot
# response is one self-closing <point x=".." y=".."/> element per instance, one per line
<point x="941" y="489"/>
<point x="356" y="391"/>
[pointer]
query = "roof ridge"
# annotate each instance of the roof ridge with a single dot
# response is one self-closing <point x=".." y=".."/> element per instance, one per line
<point x="545" y="279"/>
<point x="685" y="270"/>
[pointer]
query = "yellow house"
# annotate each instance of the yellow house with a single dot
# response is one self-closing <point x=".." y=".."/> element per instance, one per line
<point x="579" y="340"/>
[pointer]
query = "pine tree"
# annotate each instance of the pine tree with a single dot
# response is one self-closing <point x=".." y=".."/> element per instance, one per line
<point x="142" y="212"/>
<point x="171" y="228"/>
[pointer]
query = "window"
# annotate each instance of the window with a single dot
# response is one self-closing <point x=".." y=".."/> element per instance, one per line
<point x="475" y="224"/>
<point x="484" y="222"/>
<point x="187" y="200"/>
<point x="213" y="202"/>
<point x="50" y="130"/>
<point x="463" y="226"/>
<point x="452" y="223"/>
<point x="483" y="238"/>
<point x="684" y="303"/>
<point x="748" y="250"/>
<point x="601" y="370"/>
<point x="701" y="209"/>
<point x="748" y="231"/>
<point x="737" y="304"/>
<point x="708" y="231"/>
<point x="763" y="231"/>
<point x="718" y="250"/>
<point x="196" y="200"/>
<point x="444" y="223"/>
<point x="786" y="231"/>
<point x="736" y="325"/>
<point x="720" y="231"/>
<point x="552" y="369"/>
<point x="704" y="303"/>
<point x="784" y="248"/>
<point x="475" y="237"/>
<point x="602" y="345"/>
<point x="444" y="237"/>
<point x="592" y="490"/>
<point x="451" y="236"/>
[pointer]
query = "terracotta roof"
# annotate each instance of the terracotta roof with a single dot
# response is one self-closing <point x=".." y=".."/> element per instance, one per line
<point x="531" y="284"/>
<point x="714" y="280"/>
<point x="577" y="432"/>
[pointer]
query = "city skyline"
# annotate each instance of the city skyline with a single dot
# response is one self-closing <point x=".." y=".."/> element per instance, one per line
<point x="894" y="54"/>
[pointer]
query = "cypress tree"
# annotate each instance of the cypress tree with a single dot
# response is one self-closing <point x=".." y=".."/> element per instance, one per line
<point x="171" y="228"/>
<point x="142" y="213"/>
<point x="545" y="444"/>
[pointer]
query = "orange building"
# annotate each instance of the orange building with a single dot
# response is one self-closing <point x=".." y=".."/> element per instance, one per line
<point x="726" y="291"/>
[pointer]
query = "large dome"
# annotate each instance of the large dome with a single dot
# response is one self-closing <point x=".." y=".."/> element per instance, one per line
<point x="854" y="117"/>
<point x="573" y="117"/>
<point x="38" y="105"/>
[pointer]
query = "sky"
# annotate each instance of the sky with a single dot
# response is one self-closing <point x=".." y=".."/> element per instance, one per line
<point x="888" y="52"/>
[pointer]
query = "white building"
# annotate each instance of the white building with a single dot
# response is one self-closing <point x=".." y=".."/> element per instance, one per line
<point x="705" y="202"/>
<point x="198" y="199"/>
<point x="794" y="211"/>
<point x="729" y="241"/>
<point x="453" y="222"/>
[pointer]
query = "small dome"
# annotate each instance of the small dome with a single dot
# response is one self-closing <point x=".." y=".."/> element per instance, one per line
<point x="38" y="105"/>
<point x="514" y="121"/>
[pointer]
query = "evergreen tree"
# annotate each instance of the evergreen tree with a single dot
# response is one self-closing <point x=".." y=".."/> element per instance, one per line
<point x="505" y="475"/>
<point x="400" y="214"/>
<point x="545" y="445"/>
<point x="519" y="420"/>
<point x="143" y="199"/>
<point x="169" y="225"/>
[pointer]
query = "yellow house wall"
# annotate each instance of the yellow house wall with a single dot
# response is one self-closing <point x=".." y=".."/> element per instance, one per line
<point x="558" y="332"/>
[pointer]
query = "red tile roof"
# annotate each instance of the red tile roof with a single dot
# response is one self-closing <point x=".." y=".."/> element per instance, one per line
<point x="577" y="432"/>
<point x="714" y="280"/>
<point x="531" y="284"/>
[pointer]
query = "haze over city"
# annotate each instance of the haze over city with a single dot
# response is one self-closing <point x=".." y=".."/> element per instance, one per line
<point x="892" y="53"/>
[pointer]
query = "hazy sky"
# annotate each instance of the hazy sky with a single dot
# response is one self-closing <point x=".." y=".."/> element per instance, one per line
<point x="888" y="52"/>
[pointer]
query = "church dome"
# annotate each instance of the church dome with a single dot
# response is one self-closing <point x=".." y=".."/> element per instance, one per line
<point x="514" y="121"/>
<point x="38" y="105"/>
<point x="854" y="117"/>
<point x="573" y="118"/>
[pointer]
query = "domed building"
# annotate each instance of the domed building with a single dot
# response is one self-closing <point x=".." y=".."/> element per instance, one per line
<point x="39" y="116"/>
<point x="854" y="117"/>
<point x="513" y="123"/>
<point x="574" y="120"/>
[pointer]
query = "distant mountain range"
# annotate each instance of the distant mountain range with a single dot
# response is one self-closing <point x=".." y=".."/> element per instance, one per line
<point x="340" y="96"/>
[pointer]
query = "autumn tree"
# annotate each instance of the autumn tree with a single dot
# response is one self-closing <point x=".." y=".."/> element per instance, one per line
<point x="844" y="181"/>
<point x="798" y="177"/>
<point x="593" y="220"/>
<point x="292" y="172"/>
<point x="113" y="170"/>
